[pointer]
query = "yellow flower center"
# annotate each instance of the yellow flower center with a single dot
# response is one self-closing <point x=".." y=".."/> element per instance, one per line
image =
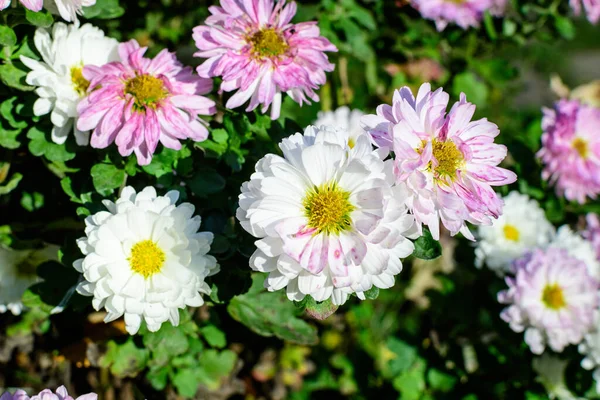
<point x="147" y="90"/>
<point x="449" y="158"/>
<point x="511" y="233"/>
<point x="581" y="146"/>
<point x="553" y="297"/>
<point x="267" y="43"/>
<point x="328" y="209"/>
<point x="80" y="84"/>
<point x="351" y="143"/>
<point x="146" y="258"/>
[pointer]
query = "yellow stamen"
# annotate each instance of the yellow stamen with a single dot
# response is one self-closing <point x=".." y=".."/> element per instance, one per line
<point x="267" y="43"/>
<point x="147" y="90"/>
<point x="553" y="297"/>
<point x="449" y="158"/>
<point x="328" y="209"/>
<point x="581" y="146"/>
<point x="511" y="233"/>
<point x="146" y="258"/>
<point x="351" y="143"/>
<point x="80" y="84"/>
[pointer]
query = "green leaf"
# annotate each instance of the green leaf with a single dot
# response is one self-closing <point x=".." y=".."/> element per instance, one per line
<point x="13" y="76"/>
<point x="107" y="177"/>
<point x="411" y="383"/>
<point x="318" y="310"/>
<point x="42" y="19"/>
<point x="206" y="181"/>
<point x="158" y="377"/>
<point x="104" y="9"/>
<point x="426" y="248"/>
<point x="440" y="381"/>
<point x="271" y="314"/>
<point x="166" y="343"/>
<point x="404" y="356"/>
<point x="372" y="293"/>
<point x="11" y="184"/>
<point x="8" y="37"/>
<point x="124" y="360"/>
<point x="472" y="86"/>
<point x="215" y="366"/>
<point x="564" y="26"/>
<point x="41" y="146"/>
<point x="186" y="382"/>
<point x="214" y="336"/>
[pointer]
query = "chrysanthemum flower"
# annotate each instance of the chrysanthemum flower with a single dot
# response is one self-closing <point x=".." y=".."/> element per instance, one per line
<point x="592" y="9"/>
<point x="328" y="220"/>
<point x="552" y="298"/>
<point x="446" y="163"/>
<point x="18" y="273"/>
<point x="145" y="258"/>
<point x="68" y="9"/>
<point x="522" y="227"/>
<point x="253" y="46"/>
<point x="47" y="394"/>
<point x="464" y="13"/>
<point x="59" y="77"/>
<point x="592" y="232"/>
<point x="139" y="102"/>
<point x="571" y="149"/>
<point x="344" y="119"/>
<point x="33" y="5"/>
<point x="578" y="247"/>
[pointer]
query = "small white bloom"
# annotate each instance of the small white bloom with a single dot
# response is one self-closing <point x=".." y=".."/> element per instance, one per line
<point x="577" y="247"/>
<point x="551" y="374"/>
<point x="59" y="77"/>
<point x="18" y="272"/>
<point x="144" y="257"/>
<point x="328" y="220"/>
<point x="68" y="9"/>
<point x="522" y="227"/>
<point x="344" y="119"/>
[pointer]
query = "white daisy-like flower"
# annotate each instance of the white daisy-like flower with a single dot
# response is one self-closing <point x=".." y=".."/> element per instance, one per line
<point x="552" y="298"/>
<point x="144" y="258"/>
<point x="68" y="9"/>
<point x="577" y="247"/>
<point x="18" y="272"/>
<point x="522" y="227"/>
<point x="345" y="119"/>
<point x="329" y="222"/>
<point x="551" y="374"/>
<point x="58" y="77"/>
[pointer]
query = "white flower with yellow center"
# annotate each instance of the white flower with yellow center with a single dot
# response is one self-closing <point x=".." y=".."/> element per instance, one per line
<point x="345" y="119"/>
<point x="329" y="222"/>
<point x="522" y="227"/>
<point x="58" y="77"/>
<point x="18" y="272"/>
<point x="145" y="259"/>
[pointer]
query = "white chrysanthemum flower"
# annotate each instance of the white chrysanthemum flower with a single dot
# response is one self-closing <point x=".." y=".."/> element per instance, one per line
<point x="345" y="119"/>
<point x="68" y="9"/>
<point x="18" y="272"/>
<point x="145" y="258"/>
<point x="551" y="374"/>
<point x="329" y="222"/>
<point x="522" y="227"/>
<point x="577" y="247"/>
<point x="59" y="77"/>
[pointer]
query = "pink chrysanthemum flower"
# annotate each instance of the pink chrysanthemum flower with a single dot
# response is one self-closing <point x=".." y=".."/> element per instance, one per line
<point x="140" y="101"/>
<point x="552" y="298"/>
<point x="464" y="13"/>
<point x="253" y="46"/>
<point x="446" y="163"/>
<point x="571" y="149"/>
<point x="46" y="394"/>
<point x="592" y="9"/>
<point x="33" y="5"/>
<point x="592" y="232"/>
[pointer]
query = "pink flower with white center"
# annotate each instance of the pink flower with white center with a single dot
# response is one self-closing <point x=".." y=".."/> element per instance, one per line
<point x="592" y="232"/>
<point x="33" y="5"/>
<point x="571" y="149"/>
<point x="552" y="298"/>
<point x="464" y="13"/>
<point x="253" y="46"/>
<point x="592" y="9"/>
<point x="139" y="102"/>
<point x="46" y="394"/>
<point x="445" y="163"/>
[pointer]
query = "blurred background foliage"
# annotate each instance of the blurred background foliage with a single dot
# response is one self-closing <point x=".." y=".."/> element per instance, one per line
<point x="436" y="335"/>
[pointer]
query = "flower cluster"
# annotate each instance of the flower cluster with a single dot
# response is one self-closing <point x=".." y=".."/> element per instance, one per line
<point x="47" y="394"/>
<point x="467" y="13"/>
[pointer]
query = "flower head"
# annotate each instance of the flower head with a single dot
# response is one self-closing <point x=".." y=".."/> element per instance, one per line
<point x="47" y="394"/>
<point x="464" y="13"/>
<point x="446" y="163"/>
<point x="552" y="298"/>
<point x="328" y="221"/>
<point x="592" y="9"/>
<point x="59" y="77"/>
<point x="145" y="258"/>
<point x="68" y="9"/>
<point x="522" y="227"/>
<point x="570" y="149"/>
<point x="139" y="102"/>
<point x="260" y="54"/>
